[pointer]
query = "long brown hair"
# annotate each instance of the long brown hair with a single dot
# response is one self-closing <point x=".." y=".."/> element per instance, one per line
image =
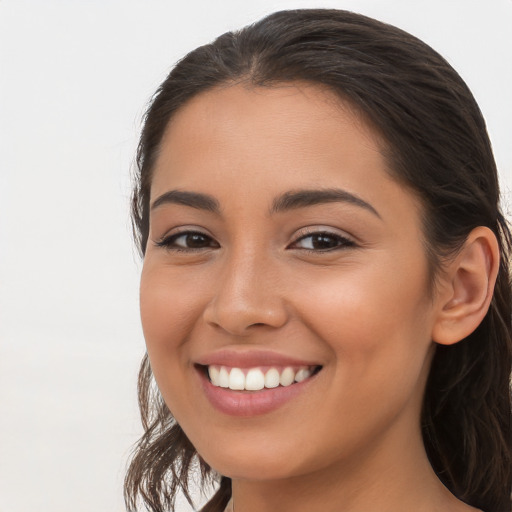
<point x="437" y="144"/>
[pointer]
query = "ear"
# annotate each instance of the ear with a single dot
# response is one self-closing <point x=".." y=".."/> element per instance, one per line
<point x="466" y="287"/>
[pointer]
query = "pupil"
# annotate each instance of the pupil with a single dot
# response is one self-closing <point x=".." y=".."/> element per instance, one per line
<point x="196" y="241"/>
<point x="324" y="242"/>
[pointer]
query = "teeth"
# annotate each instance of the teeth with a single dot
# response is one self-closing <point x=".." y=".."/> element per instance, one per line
<point x="302" y="374"/>
<point x="236" y="379"/>
<point x="287" y="377"/>
<point x="255" y="379"/>
<point x="272" y="378"/>
<point x="223" y="378"/>
<point x="213" y="373"/>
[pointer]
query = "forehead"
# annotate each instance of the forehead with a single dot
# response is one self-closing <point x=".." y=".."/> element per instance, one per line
<point x="237" y="129"/>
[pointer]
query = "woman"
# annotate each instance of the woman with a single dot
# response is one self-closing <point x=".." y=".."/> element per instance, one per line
<point x="325" y="293"/>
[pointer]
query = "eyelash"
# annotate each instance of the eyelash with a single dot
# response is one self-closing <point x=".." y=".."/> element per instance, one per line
<point x="169" y="242"/>
<point x="341" y="242"/>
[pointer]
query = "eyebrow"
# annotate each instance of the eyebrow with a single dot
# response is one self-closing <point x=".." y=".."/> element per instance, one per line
<point x="288" y="201"/>
<point x="303" y="198"/>
<point x="192" y="199"/>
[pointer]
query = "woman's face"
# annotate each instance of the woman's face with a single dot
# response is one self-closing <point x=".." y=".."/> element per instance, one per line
<point x="281" y="248"/>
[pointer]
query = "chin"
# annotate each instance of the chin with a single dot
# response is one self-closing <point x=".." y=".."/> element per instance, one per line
<point x="255" y="463"/>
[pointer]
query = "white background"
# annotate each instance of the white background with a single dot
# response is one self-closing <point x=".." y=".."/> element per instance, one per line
<point x="74" y="79"/>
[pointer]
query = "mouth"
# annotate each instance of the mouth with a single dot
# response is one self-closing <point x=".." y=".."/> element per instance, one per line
<point x="257" y="378"/>
<point x="247" y="383"/>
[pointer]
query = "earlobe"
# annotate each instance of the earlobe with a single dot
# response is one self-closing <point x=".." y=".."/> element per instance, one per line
<point x="467" y="287"/>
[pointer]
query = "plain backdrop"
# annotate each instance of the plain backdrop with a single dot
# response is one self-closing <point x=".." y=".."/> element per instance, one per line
<point x="75" y="77"/>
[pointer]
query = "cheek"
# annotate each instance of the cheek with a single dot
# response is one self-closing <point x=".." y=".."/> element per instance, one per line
<point x="372" y="318"/>
<point x="168" y="313"/>
<point x="379" y="339"/>
<point x="168" y="306"/>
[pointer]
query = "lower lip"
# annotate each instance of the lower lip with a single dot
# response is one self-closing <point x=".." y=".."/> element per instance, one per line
<point x="251" y="403"/>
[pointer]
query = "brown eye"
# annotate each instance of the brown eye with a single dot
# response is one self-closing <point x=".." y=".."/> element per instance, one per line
<point x="193" y="241"/>
<point x="322" y="242"/>
<point x="188" y="241"/>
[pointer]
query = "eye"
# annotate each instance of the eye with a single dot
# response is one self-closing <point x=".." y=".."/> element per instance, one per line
<point x="188" y="241"/>
<point x="322" y="241"/>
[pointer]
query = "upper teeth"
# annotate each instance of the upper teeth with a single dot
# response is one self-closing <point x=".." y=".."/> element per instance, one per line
<point x="254" y="379"/>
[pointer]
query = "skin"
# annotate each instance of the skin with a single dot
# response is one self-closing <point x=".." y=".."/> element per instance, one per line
<point x="363" y="309"/>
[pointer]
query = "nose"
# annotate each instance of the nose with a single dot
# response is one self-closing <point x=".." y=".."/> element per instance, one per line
<point x="248" y="294"/>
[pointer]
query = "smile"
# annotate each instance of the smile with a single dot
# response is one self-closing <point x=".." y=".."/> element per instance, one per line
<point x="256" y="379"/>
<point x="251" y="385"/>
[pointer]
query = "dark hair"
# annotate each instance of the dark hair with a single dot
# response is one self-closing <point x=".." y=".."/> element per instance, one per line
<point x="437" y="144"/>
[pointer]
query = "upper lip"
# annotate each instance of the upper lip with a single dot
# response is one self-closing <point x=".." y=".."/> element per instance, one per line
<point x="251" y="358"/>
